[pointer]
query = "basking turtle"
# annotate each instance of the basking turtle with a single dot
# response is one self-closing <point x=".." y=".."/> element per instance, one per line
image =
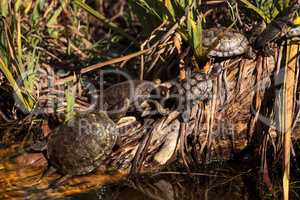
<point x="80" y="145"/>
<point x="122" y="97"/>
<point x="184" y="95"/>
<point x="278" y="27"/>
<point x="195" y="88"/>
<point x="223" y="42"/>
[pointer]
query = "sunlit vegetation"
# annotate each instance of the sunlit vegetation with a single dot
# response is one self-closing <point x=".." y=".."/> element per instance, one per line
<point x="52" y="51"/>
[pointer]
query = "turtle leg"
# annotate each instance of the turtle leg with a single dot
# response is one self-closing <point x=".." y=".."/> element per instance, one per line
<point x="158" y="108"/>
<point x="124" y="107"/>
<point x="47" y="172"/>
<point x="59" y="181"/>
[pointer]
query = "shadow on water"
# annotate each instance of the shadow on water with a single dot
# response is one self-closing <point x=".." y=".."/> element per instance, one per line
<point x="222" y="183"/>
<point x="20" y="180"/>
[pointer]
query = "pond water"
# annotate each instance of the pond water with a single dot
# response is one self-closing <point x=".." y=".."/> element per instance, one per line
<point x="177" y="186"/>
<point x="215" y="182"/>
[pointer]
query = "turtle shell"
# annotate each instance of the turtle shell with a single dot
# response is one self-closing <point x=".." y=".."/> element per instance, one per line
<point x="82" y="144"/>
<point x="192" y="90"/>
<point x="119" y="98"/>
<point x="231" y="42"/>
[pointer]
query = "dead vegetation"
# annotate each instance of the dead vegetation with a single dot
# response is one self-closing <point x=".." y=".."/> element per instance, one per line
<point x="53" y="49"/>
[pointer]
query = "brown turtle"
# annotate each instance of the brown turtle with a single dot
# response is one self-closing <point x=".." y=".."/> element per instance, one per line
<point x="80" y="145"/>
<point x="185" y="94"/>
<point x="223" y="42"/>
<point x="126" y="96"/>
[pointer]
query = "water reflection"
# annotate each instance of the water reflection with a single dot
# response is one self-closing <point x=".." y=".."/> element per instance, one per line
<point x="21" y="177"/>
<point x="215" y="185"/>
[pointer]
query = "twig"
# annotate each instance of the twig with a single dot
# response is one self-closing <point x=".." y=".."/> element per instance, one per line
<point x="112" y="61"/>
<point x="186" y="173"/>
<point x="102" y="64"/>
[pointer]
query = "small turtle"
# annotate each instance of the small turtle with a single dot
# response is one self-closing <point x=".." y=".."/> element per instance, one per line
<point x="220" y="42"/>
<point x="184" y="95"/>
<point x="195" y="88"/>
<point x="80" y="145"/>
<point x="279" y="26"/>
<point x="120" y="98"/>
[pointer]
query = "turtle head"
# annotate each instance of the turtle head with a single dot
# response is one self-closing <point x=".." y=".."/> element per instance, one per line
<point x="160" y="91"/>
<point x="156" y="101"/>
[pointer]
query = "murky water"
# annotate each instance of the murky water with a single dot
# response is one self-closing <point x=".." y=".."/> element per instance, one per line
<point x="21" y="179"/>
<point x="174" y="187"/>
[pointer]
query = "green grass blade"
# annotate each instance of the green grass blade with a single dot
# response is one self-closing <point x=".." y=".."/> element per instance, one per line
<point x="70" y="97"/>
<point x="103" y="19"/>
<point x="19" y="48"/>
<point x="4" y="68"/>
<point x="257" y="10"/>
<point x="169" y="6"/>
<point x="198" y="38"/>
<point x="4" y="8"/>
<point x="53" y="20"/>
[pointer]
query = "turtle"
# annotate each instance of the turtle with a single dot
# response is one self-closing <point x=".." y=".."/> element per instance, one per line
<point x="80" y="145"/>
<point x="277" y="27"/>
<point x="225" y="42"/>
<point x="125" y="96"/>
<point x="185" y="94"/>
<point x="195" y="88"/>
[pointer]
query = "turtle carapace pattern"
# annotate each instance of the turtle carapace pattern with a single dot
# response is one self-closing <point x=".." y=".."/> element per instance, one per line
<point x="196" y="87"/>
<point x="121" y="97"/>
<point x="82" y="144"/>
<point x="231" y="42"/>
